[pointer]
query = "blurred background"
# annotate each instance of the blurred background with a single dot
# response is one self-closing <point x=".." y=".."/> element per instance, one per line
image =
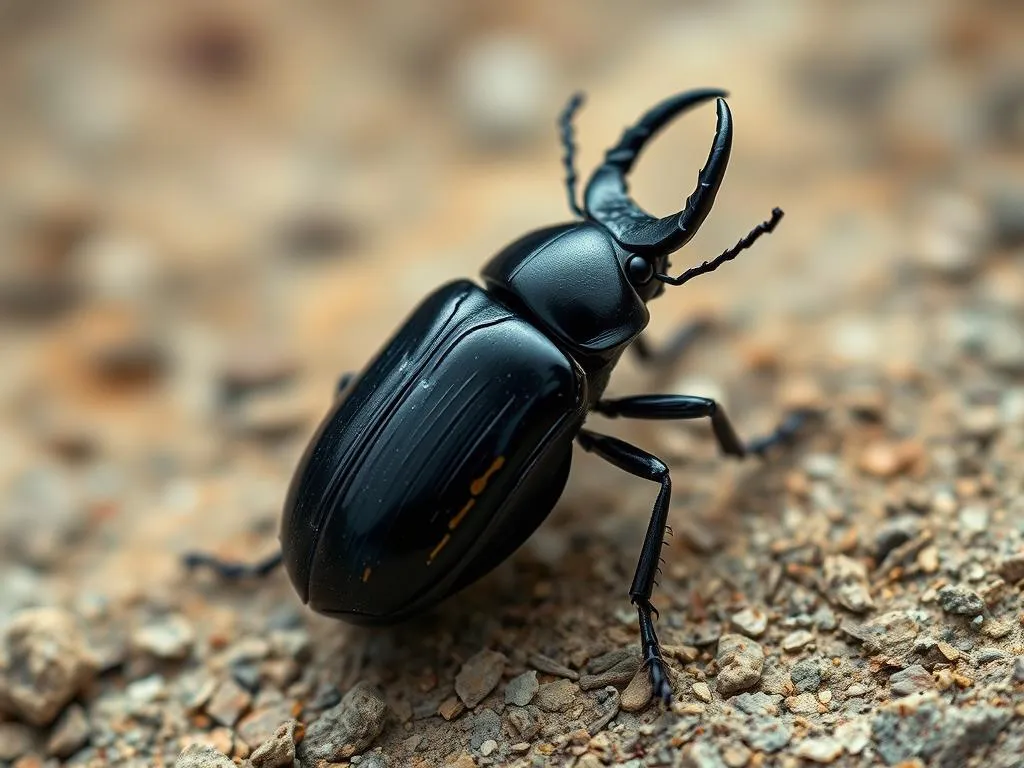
<point x="208" y="211"/>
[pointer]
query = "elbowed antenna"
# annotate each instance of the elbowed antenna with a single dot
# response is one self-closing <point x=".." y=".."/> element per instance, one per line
<point x="607" y="199"/>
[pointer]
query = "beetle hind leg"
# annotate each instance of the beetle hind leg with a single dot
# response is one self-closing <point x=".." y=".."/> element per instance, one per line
<point x="642" y="464"/>
<point x="231" y="571"/>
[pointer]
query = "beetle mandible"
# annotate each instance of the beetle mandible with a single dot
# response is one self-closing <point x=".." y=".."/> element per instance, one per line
<point x="439" y="459"/>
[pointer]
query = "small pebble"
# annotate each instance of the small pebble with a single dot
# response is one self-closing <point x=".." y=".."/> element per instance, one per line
<point x="262" y="723"/>
<point x="70" y="734"/>
<point x="168" y="638"/>
<point x="913" y="679"/>
<point x="451" y="708"/>
<point x="43" y="663"/>
<point x="479" y="676"/>
<point x="846" y="583"/>
<point x="15" y="740"/>
<point x="819" y="750"/>
<point x="803" y="704"/>
<point x="1018" y="669"/>
<point x="557" y="696"/>
<point x="638" y="693"/>
<point x="960" y="601"/>
<point x="525" y="722"/>
<point x="202" y="756"/>
<point x="794" y="641"/>
<point x="885" y="459"/>
<point x="543" y="663"/>
<point x="702" y="691"/>
<point x="740" y="662"/>
<point x="1012" y="568"/>
<point x="279" y="750"/>
<point x="752" y="622"/>
<point x="347" y="729"/>
<point x="521" y="689"/>
<point x="228" y="703"/>
<point x="488" y="747"/>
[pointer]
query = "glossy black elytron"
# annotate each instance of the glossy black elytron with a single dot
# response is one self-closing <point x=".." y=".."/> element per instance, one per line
<point x="445" y="453"/>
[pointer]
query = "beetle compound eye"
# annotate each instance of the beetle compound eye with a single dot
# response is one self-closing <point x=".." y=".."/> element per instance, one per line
<point x="639" y="270"/>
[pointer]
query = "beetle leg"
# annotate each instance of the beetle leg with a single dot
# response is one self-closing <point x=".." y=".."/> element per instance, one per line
<point x="229" y="570"/>
<point x="569" y="145"/>
<point x="679" y="407"/>
<point x="642" y="464"/>
<point x="677" y="345"/>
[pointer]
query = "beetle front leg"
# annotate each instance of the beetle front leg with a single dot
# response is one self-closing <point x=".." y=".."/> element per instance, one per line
<point x="642" y="464"/>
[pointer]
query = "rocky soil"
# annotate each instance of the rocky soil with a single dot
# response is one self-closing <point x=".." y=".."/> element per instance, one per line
<point x="207" y="213"/>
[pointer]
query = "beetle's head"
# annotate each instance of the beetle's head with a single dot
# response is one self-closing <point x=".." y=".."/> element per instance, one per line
<point x="646" y="242"/>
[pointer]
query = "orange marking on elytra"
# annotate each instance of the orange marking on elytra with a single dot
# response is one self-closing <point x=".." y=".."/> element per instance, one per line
<point x="454" y="522"/>
<point x="477" y="486"/>
<point x="366" y="574"/>
<point x="438" y="548"/>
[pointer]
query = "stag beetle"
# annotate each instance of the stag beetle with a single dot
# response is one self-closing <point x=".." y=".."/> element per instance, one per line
<point x="442" y="457"/>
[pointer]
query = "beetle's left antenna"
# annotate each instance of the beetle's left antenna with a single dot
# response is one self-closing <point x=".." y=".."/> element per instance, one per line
<point x="569" y="144"/>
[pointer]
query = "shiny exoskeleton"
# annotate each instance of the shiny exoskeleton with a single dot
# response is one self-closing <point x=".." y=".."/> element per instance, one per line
<point x="446" y="452"/>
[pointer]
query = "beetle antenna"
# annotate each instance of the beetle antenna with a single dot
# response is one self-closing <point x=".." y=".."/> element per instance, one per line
<point x="710" y="266"/>
<point x="569" y="144"/>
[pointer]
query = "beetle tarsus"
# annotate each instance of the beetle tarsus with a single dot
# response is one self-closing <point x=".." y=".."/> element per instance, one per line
<point x="783" y="433"/>
<point x="231" y="571"/>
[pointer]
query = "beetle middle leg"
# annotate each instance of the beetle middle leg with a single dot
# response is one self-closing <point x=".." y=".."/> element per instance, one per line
<point x="230" y="570"/>
<point x="677" y="345"/>
<point x="648" y="466"/>
<point x="680" y="407"/>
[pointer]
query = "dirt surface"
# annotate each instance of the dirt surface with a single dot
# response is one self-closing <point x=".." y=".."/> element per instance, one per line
<point x="207" y="216"/>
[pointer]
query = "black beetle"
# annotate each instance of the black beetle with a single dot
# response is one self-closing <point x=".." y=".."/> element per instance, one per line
<point x="454" y="444"/>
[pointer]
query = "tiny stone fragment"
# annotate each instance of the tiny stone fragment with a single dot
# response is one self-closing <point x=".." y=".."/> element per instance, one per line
<point x="960" y="601"/>
<point x="43" y="664"/>
<point x="913" y="679"/>
<point x="168" y="638"/>
<point x="70" y="734"/>
<point x="279" y="750"/>
<point x="346" y="729"/>
<point x="820" y="750"/>
<point x="202" y="756"/>
<point x="796" y="640"/>
<point x="451" y="708"/>
<point x="262" y="723"/>
<point x="524" y="721"/>
<point x="610" y="711"/>
<point x="488" y="747"/>
<point x="1018" y="669"/>
<point x="740" y="662"/>
<point x="802" y="704"/>
<point x="521" y="689"/>
<point x="846" y="582"/>
<point x="543" y="663"/>
<point x="702" y="691"/>
<point x="557" y="696"/>
<point x="1012" y="568"/>
<point x="752" y="622"/>
<point x="15" y="740"/>
<point x="638" y="693"/>
<point x="228" y="703"/>
<point x="479" y="676"/>
<point x="614" y="668"/>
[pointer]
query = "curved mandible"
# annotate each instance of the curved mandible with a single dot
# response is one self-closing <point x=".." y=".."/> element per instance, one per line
<point x="607" y="199"/>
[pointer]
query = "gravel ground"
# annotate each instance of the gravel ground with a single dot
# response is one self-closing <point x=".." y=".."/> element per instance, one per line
<point x="206" y="216"/>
